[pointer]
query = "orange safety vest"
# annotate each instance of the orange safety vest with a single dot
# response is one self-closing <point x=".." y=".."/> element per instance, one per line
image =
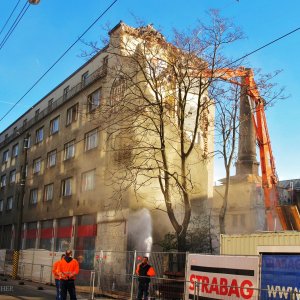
<point x="55" y="269"/>
<point x="68" y="269"/>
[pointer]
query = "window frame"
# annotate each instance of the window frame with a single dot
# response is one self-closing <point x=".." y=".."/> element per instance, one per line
<point x="73" y="111"/>
<point x="49" y="155"/>
<point x="64" y="185"/>
<point x="66" y="92"/>
<point x="39" y="139"/>
<point x="12" y="174"/>
<point x="67" y="146"/>
<point x="34" y="191"/>
<point x="15" y="153"/>
<point x="2" y="186"/>
<point x="87" y="141"/>
<point x="91" y="106"/>
<point x="85" y="184"/>
<point x="9" y="203"/>
<point x="34" y="171"/>
<point x="54" y="130"/>
<point x="5" y="156"/>
<point x="46" y="192"/>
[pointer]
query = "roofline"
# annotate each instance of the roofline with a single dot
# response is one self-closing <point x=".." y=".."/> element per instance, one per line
<point x="55" y="88"/>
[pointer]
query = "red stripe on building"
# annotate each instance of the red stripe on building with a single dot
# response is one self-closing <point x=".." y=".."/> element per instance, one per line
<point x="31" y="233"/>
<point x="46" y="233"/>
<point x="87" y="230"/>
<point x="64" y="232"/>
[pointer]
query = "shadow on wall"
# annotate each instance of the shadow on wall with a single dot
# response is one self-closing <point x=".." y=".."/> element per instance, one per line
<point x="140" y="231"/>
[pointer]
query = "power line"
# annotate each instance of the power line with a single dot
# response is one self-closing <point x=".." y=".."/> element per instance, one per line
<point x="66" y="51"/>
<point x="264" y="46"/>
<point x="15" y="24"/>
<point x="244" y="56"/>
<point x="9" y="17"/>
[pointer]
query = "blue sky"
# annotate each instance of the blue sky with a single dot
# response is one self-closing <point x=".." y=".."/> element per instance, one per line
<point x="48" y="29"/>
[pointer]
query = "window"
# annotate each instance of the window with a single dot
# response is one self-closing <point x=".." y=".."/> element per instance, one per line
<point x="72" y="113"/>
<point x="3" y="181"/>
<point x="50" y="102"/>
<point x="91" y="140"/>
<point x="33" y="197"/>
<point x="88" y="181"/>
<point x="15" y="150"/>
<point x="54" y="126"/>
<point x="1" y="205"/>
<point x="67" y="187"/>
<point x="15" y="129"/>
<point x="69" y="150"/>
<point x="94" y="100"/>
<point x="48" y="192"/>
<point x="84" y="78"/>
<point x="36" y="116"/>
<point x="24" y="122"/>
<point x="6" y="136"/>
<point x="37" y="165"/>
<point x="66" y="91"/>
<point x="27" y="142"/>
<point x="9" y="203"/>
<point x="190" y="135"/>
<point x="12" y="176"/>
<point x="39" y="135"/>
<point x="5" y="156"/>
<point x="51" y="158"/>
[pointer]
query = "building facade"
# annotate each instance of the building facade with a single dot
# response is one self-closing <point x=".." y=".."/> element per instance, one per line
<point x="68" y="192"/>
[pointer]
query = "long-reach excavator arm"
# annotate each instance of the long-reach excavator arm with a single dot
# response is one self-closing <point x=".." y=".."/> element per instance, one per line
<point x="288" y="214"/>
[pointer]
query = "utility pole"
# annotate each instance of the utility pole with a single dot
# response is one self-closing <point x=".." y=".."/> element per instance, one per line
<point x="18" y="236"/>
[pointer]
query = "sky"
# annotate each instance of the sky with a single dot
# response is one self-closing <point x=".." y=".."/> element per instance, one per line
<point x="49" y="28"/>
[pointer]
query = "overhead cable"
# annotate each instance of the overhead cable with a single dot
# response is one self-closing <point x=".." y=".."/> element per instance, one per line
<point x="15" y="24"/>
<point x="9" y="17"/>
<point x="65" y="52"/>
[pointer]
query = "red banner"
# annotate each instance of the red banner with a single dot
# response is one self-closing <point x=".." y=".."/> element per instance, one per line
<point x="87" y="230"/>
<point x="31" y="233"/>
<point x="46" y="233"/>
<point x="64" y="232"/>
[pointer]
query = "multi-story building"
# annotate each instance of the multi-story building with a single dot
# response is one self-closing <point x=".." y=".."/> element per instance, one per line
<point x="68" y="191"/>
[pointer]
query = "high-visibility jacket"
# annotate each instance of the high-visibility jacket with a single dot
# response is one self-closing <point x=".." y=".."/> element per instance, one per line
<point x="145" y="271"/>
<point x="55" y="269"/>
<point x="68" y="268"/>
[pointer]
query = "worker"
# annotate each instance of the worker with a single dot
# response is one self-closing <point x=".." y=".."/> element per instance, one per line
<point x="144" y="271"/>
<point x="56" y="277"/>
<point x="68" y="268"/>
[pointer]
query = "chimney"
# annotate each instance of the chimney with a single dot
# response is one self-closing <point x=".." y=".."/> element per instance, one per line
<point x="246" y="163"/>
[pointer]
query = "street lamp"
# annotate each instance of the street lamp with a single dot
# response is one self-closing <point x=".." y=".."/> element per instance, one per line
<point x="34" y="2"/>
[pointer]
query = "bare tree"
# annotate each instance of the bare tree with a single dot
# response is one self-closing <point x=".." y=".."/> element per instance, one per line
<point x="159" y="115"/>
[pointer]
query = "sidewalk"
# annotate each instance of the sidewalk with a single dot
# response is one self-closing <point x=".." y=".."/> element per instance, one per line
<point x="12" y="290"/>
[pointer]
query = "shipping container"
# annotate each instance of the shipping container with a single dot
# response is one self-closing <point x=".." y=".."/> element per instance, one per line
<point x="261" y="242"/>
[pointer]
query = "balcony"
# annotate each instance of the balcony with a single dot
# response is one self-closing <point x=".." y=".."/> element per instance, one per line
<point x="99" y="73"/>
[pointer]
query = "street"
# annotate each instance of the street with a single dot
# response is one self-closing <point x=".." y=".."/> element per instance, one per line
<point x="11" y="289"/>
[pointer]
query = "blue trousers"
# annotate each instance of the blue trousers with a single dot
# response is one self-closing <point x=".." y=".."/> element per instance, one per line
<point x="57" y="284"/>
<point x="68" y="286"/>
<point x="143" y="290"/>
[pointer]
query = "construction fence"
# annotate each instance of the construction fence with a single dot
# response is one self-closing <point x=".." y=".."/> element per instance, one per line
<point x="178" y="275"/>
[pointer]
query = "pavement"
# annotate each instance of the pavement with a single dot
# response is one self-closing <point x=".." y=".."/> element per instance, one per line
<point x="12" y="289"/>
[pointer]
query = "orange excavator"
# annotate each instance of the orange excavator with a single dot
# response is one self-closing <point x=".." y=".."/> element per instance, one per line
<point x="288" y="215"/>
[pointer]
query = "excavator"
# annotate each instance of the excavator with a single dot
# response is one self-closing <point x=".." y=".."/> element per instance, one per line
<point x="288" y="215"/>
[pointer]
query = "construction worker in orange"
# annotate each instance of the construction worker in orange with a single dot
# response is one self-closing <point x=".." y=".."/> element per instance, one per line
<point x="68" y="268"/>
<point x="144" y="272"/>
<point x="56" y="276"/>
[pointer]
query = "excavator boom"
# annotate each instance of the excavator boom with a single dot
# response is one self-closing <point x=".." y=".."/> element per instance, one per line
<point x="288" y="215"/>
